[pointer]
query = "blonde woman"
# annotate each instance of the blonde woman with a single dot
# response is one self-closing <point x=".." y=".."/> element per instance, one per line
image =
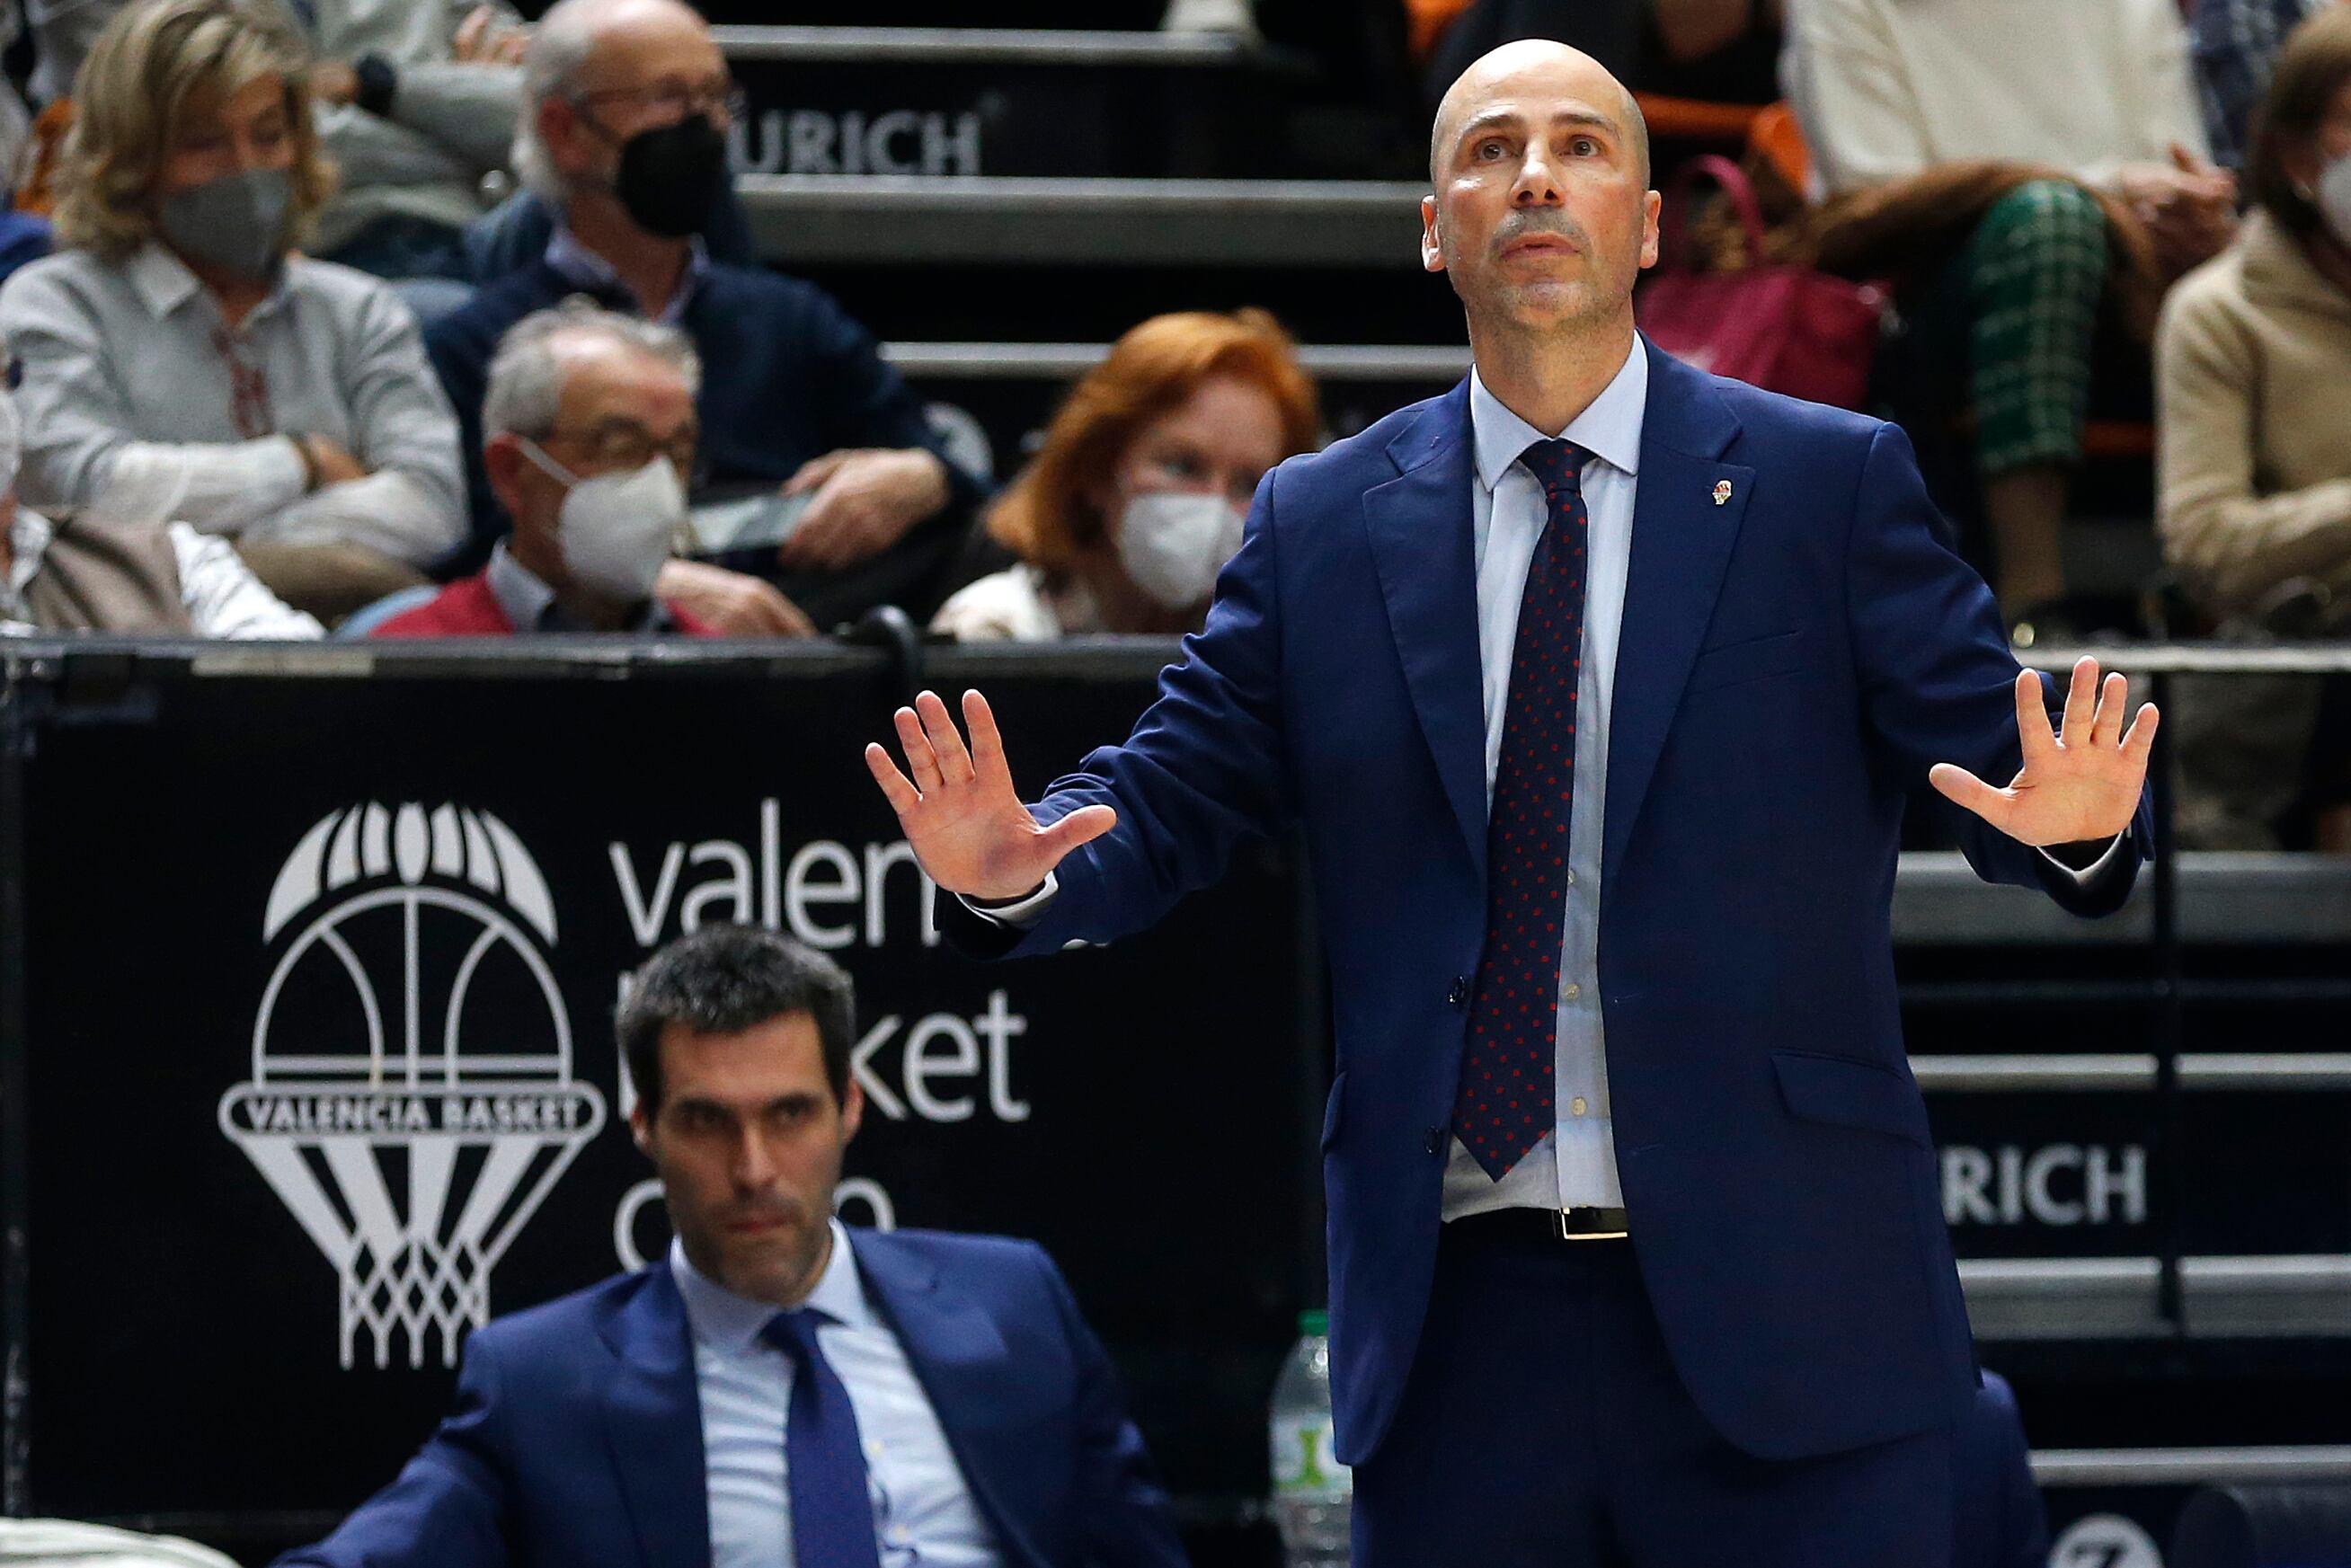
<point x="182" y="362"/>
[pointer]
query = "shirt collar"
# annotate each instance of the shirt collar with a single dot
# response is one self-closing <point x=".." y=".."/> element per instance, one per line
<point x="28" y="542"/>
<point x="1610" y="429"/>
<point x="583" y="268"/>
<point x="163" y="283"/>
<point x="725" y="1320"/>
<point x="519" y="592"/>
<point x="530" y="603"/>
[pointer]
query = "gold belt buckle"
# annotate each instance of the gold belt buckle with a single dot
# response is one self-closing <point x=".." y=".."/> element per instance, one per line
<point x="1591" y="1224"/>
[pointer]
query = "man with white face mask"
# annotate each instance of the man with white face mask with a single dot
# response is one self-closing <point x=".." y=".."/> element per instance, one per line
<point x="590" y="432"/>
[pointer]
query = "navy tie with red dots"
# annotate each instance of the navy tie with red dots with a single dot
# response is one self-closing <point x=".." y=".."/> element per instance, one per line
<point x="1503" y="1107"/>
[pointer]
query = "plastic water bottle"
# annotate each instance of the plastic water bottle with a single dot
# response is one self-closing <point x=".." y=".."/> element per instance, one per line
<point x="1313" y="1493"/>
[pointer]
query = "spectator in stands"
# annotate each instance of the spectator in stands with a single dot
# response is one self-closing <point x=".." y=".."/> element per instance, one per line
<point x="780" y="1388"/>
<point x="2253" y="357"/>
<point x="417" y="103"/>
<point x="1137" y="497"/>
<point x="414" y="103"/>
<point x="82" y="575"/>
<point x="623" y="129"/>
<point x="2236" y="44"/>
<point x="2019" y="169"/>
<point x="181" y="363"/>
<point x="591" y="431"/>
<point x="1718" y="50"/>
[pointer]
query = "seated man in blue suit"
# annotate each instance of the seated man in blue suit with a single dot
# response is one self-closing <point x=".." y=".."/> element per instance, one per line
<point x="782" y="1390"/>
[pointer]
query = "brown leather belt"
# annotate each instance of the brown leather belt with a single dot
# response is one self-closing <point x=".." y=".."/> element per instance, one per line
<point x="1546" y="1224"/>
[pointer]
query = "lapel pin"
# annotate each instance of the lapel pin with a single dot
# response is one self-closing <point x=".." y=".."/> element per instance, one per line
<point x="1721" y="491"/>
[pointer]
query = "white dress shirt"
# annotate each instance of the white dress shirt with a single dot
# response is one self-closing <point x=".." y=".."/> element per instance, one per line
<point x="923" y="1509"/>
<point x="529" y="602"/>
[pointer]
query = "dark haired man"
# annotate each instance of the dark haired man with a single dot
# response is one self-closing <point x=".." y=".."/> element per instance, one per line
<point x="781" y="1390"/>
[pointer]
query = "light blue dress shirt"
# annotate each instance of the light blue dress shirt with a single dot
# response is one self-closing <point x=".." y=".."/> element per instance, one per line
<point x="1576" y="1165"/>
<point x="924" y="1514"/>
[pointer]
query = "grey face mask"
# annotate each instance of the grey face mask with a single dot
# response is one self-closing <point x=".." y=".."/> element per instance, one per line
<point x="236" y="223"/>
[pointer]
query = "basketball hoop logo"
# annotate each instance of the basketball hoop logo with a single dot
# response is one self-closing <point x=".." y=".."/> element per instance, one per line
<point x="412" y="1098"/>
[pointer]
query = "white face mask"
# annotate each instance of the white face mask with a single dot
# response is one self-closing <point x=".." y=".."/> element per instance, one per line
<point x="2333" y="197"/>
<point x="1172" y="543"/>
<point x="616" y="530"/>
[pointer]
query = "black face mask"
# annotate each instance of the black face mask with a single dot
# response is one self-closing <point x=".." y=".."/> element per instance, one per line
<point x="670" y="177"/>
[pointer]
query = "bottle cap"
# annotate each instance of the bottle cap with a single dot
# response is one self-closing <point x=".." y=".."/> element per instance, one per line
<point x="1314" y="1325"/>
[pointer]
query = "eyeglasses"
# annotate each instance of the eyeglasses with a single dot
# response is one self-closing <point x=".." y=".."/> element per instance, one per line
<point x="622" y="446"/>
<point x="673" y="100"/>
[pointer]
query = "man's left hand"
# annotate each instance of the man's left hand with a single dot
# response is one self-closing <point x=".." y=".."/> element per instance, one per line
<point x="2080" y="785"/>
<point x="865" y="500"/>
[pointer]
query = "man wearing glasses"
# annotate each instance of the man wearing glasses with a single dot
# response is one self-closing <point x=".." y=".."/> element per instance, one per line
<point x="626" y="104"/>
<point x="591" y="431"/>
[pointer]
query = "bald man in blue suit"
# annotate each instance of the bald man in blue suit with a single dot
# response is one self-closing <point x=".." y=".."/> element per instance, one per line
<point x="1596" y="688"/>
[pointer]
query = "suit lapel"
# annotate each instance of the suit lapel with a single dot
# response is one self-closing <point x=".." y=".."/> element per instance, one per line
<point x="1682" y="538"/>
<point x="962" y="1362"/>
<point x="1420" y="527"/>
<point x="653" y="1422"/>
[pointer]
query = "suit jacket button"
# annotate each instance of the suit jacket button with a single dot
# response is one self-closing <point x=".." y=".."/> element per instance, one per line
<point x="1459" y="992"/>
<point x="1432" y="1140"/>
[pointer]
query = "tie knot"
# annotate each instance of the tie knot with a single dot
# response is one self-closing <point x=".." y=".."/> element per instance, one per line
<point x="1557" y="463"/>
<point x="794" y="1332"/>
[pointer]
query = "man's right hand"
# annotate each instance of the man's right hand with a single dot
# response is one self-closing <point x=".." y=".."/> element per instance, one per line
<point x="961" y="815"/>
<point x="732" y="603"/>
<point x="486" y="38"/>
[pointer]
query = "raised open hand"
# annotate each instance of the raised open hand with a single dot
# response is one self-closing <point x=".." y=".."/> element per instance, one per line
<point x="2078" y="786"/>
<point x="962" y="817"/>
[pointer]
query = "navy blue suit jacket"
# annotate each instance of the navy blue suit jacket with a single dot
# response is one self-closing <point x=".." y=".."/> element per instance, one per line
<point x="1794" y="659"/>
<point x="576" y="1438"/>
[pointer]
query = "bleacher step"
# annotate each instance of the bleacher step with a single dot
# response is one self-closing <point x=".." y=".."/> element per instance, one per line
<point x="998" y="46"/>
<point x="804" y="219"/>
<point x="1065" y="361"/>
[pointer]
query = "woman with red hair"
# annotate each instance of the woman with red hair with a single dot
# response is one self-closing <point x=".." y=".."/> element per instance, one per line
<point x="1138" y="495"/>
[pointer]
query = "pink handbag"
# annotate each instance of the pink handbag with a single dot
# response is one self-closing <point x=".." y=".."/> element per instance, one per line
<point x="1783" y="328"/>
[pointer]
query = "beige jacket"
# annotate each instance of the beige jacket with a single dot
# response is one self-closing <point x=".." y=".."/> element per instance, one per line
<point x="2253" y="384"/>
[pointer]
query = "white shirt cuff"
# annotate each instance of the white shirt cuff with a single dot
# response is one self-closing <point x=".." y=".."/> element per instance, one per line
<point x="1021" y="913"/>
<point x="2089" y="872"/>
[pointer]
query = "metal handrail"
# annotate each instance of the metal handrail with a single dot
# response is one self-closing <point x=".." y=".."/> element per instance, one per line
<point x="2110" y="1072"/>
<point x="2190" y="1467"/>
